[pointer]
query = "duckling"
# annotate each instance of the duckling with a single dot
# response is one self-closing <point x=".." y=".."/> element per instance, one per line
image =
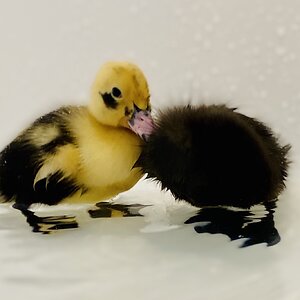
<point x="80" y="154"/>
<point x="213" y="156"/>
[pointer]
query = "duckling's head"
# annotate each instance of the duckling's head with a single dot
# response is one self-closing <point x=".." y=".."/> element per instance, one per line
<point x="120" y="95"/>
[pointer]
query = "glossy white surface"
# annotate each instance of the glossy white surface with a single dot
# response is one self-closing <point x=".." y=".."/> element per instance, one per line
<point x="243" y="53"/>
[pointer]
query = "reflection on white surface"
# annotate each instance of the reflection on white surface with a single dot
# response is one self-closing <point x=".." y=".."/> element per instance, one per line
<point x="112" y="257"/>
<point x="244" y="53"/>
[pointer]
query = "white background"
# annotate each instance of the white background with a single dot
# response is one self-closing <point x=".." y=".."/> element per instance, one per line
<point x="240" y="52"/>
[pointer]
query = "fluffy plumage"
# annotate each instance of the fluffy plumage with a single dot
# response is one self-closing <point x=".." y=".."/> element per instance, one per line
<point x="80" y="154"/>
<point x="213" y="155"/>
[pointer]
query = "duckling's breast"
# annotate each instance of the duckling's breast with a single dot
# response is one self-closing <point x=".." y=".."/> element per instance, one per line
<point x="107" y="156"/>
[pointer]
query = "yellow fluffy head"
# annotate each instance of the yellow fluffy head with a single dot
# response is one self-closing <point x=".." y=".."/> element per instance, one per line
<point x="118" y="90"/>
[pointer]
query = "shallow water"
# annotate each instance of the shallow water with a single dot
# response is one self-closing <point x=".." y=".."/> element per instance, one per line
<point x="243" y="53"/>
<point x="114" y="257"/>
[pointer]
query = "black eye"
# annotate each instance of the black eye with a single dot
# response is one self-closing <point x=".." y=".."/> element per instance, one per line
<point x="116" y="92"/>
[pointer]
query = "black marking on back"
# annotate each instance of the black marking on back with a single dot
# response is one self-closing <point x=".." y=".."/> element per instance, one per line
<point x="109" y="100"/>
<point x="21" y="159"/>
<point x="19" y="163"/>
<point x="64" y="138"/>
<point x="58" y="119"/>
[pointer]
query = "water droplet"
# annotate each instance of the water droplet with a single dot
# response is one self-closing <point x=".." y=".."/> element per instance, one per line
<point x="292" y="56"/>
<point x="263" y="94"/>
<point x="280" y="51"/>
<point x="243" y="41"/>
<point x="207" y="45"/>
<point x="261" y="77"/>
<point x="281" y="31"/>
<point x="208" y="27"/>
<point x="231" y="46"/>
<point x="178" y="12"/>
<point x="255" y="50"/>
<point x="269" y="18"/>
<point x="295" y="27"/>
<point x="189" y="75"/>
<point x="215" y="71"/>
<point x="133" y="9"/>
<point x="216" y="19"/>
<point x="260" y="11"/>
<point x="232" y="88"/>
<point x="197" y="37"/>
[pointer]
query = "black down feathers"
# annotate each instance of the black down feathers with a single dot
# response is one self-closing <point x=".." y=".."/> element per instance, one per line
<point x="213" y="155"/>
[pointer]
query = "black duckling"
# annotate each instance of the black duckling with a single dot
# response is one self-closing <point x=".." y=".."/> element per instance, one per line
<point x="213" y="156"/>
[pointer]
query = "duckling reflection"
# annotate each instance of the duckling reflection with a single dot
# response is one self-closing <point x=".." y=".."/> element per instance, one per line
<point x="239" y="224"/>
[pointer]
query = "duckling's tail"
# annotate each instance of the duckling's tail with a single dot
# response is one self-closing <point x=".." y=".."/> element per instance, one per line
<point x="285" y="162"/>
<point x="3" y="196"/>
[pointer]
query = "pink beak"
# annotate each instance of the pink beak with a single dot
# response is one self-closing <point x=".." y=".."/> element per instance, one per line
<point x="142" y="123"/>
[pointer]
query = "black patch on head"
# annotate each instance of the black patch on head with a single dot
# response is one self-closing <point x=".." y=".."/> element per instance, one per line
<point x="109" y="100"/>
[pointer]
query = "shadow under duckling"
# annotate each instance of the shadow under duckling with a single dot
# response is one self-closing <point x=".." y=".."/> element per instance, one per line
<point x="215" y="157"/>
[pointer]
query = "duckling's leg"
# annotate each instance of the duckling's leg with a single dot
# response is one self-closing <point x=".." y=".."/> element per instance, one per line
<point x="46" y="225"/>
<point x="238" y="224"/>
<point x="111" y="210"/>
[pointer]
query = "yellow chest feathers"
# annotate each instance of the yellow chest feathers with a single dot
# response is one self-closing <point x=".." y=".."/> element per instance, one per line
<point x="107" y="154"/>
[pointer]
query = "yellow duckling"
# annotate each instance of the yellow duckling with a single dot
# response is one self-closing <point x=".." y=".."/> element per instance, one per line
<point x="80" y="154"/>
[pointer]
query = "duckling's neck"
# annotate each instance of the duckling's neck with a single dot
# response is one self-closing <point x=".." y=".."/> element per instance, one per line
<point x="107" y="127"/>
<point x="91" y="109"/>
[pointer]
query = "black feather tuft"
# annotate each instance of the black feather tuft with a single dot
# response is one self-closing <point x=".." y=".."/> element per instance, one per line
<point x="109" y="100"/>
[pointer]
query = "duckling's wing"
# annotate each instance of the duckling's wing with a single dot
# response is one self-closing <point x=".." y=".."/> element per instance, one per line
<point x="39" y="166"/>
<point x="55" y="179"/>
<point x="63" y="164"/>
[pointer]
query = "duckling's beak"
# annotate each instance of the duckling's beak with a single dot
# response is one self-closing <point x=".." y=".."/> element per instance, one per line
<point x="141" y="122"/>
